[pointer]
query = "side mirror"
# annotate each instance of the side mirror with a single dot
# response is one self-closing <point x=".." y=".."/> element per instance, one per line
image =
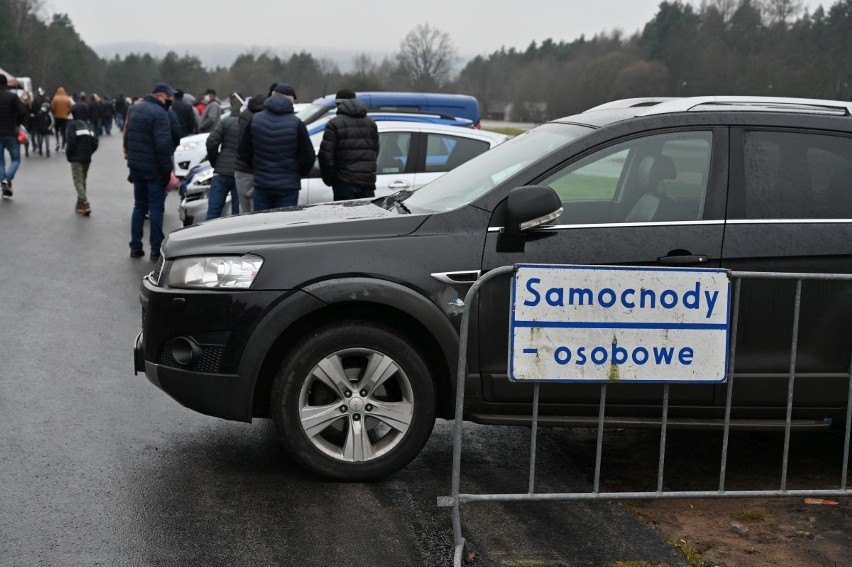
<point x="530" y="207"/>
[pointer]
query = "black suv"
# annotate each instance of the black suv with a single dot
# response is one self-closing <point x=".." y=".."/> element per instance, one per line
<point x="340" y="321"/>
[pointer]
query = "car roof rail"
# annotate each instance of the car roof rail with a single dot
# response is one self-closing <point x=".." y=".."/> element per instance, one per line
<point x="632" y="102"/>
<point x="415" y="113"/>
<point x="751" y="103"/>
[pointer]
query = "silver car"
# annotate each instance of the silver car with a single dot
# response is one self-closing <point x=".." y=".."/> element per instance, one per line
<point x="411" y="154"/>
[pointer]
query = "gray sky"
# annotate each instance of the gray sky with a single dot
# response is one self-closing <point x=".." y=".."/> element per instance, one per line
<point x="368" y="26"/>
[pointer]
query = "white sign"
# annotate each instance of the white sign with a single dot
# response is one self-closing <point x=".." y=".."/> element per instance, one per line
<point x="619" y="324"/>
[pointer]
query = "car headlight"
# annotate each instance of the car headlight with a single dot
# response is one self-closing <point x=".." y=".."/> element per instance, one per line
<point x="187" y="146"/>
<point x="205" y="178"/>
<point x="216" y="272"/>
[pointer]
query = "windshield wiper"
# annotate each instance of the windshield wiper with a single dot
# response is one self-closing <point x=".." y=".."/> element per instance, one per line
<point x="395" y="200"/>
<point x="401" y="206"/>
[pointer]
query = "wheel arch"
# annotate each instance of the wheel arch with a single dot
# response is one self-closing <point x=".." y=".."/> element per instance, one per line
<point x="388" y="303"/>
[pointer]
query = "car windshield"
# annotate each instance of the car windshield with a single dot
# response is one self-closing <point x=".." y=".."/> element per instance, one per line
<point x="469" y="181"/>
<point x="314" y="111"/>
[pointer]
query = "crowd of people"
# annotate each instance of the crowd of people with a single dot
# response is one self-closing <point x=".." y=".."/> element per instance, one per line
<point x="259" y="148"/>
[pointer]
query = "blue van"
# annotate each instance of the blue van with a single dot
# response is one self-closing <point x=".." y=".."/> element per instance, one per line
<point x="460" y="106"/>
<point x="320" y="123"/>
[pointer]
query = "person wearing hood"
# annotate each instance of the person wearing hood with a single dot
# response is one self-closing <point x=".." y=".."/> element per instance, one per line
<point x="222" y="154"/>
<point x="349" y="149"/>
<point x="243" y="172"/>
<point x="212" y="112"/>
<point x="81" y="144"/>
<point x="276" y="143"/>
<point x="61" y="107"/>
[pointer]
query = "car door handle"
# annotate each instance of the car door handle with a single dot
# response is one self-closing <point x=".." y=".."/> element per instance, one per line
<point x="399" y="185"/>
<point x="684" y="259"/>
<point x="462" y="277"/>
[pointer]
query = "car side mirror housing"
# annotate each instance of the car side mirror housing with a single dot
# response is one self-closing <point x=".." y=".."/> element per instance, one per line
<point x="530" y="207"/>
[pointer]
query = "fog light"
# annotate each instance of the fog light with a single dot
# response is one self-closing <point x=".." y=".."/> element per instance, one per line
<point x="185" y="351"/>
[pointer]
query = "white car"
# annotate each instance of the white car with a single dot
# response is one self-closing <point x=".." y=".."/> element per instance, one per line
<point x="193" y="149"/>
<point x="411" y="154"/>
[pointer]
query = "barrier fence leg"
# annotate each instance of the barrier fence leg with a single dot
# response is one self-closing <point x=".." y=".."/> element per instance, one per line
<point x="726" y="431"/>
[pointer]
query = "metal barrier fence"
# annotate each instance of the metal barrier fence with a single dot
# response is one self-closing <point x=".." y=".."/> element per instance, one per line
<point x="457" y="498"/>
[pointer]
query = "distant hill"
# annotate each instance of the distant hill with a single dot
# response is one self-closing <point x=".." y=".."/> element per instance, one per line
<point x="223" y="55"/>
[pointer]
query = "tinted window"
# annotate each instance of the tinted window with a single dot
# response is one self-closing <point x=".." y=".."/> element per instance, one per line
<point x="654" y="178"/>
<point x="803" y="176"/>
<point x="393" y="152"/>
<point x="444" y="152"/>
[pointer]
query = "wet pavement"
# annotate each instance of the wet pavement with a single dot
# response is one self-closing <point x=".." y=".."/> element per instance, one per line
<point x="99" y="467"/>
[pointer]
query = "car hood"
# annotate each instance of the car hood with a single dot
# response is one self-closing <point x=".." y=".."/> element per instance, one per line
<point x="322" y="222"/>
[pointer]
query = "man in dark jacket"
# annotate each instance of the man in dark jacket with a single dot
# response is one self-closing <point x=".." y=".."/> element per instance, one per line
<point x="226" y="135"/>
<point x="276" y="143"/>
<point x="185" y="114"/>
<point x="149" y="149"/>
<point x="120" y="110"/>
<point x="349" y="148"/>
<point x="81" y="143"/>
<point x="244" y="172"/>
<point x="12" y="114"/>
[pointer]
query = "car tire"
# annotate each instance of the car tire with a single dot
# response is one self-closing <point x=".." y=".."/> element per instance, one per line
<point x="354" y="401"/>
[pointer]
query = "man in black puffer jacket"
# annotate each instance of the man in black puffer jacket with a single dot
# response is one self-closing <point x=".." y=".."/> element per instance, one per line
<point x="276" y="143"/>
<point x="244" y="172"/>
<point x="222" y="154"/>
<point x="349" y="148"/>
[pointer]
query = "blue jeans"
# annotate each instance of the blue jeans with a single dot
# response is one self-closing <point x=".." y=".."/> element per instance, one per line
<point x="219" y="189"/>
<point x="344" y="192"/>
<point x="148" y="196"/>
<point x="274" y="198"/>
<point x="9" y="144"/>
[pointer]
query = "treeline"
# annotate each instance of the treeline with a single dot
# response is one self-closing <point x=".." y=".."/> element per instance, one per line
<point x="748" y="47"/>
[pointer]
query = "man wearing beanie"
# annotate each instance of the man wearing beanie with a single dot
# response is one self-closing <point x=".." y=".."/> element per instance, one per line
<point x="276" y="144"/>
<point x="349" y="148"/>
<point x="148" y="145"/>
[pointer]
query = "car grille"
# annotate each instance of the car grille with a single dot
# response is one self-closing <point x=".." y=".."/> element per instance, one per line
<point x="210" y="360"/>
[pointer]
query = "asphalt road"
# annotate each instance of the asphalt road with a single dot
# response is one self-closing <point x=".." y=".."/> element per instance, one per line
<point x="99" y="467"/>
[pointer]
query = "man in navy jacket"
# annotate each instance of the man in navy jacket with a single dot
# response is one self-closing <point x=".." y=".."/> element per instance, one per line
<point x="276" y="143"/>
<point x="149" y="149"/>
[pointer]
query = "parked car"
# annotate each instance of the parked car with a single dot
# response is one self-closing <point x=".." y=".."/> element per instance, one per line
<point x="411" y="154"/>
<point x="461" y="106"/>
<point x="340" y="321"/>
<point x="192" y="150"/>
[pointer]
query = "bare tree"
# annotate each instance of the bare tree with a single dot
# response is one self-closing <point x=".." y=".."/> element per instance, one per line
<point x="21" y="9"/>
<point x="781" y="11"/>
<point x="328" y="70"/>
<point x="426" y="57"/>
<point x="726" y="8"/>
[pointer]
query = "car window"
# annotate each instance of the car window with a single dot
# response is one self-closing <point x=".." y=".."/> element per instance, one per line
<point x="393" y="152"/>
<point x="445" y="152"/>
<point x="649" y="179"/>
<point x="477" y="177"/>
<point x="797" y="175"/>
